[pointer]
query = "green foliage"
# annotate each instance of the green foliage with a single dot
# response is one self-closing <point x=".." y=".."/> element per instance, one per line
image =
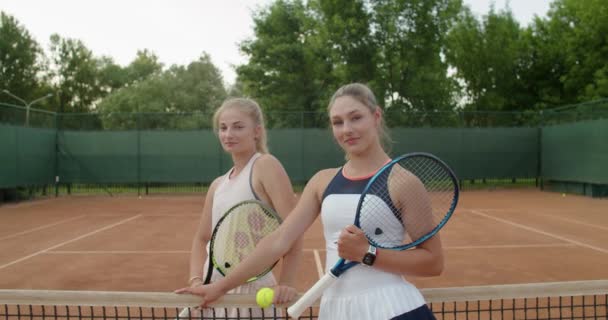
<point x="285" y="72"/>
<point x="75" y="73"/>
<point x="556" y="60"/>
<point x="113" y="76"/>
<point x="490" y="59"/>
<point x="412" y="76"/>
<point x="145" y="64"/>
<point x="302" y="53"/>
<point x="21" y="61"/>
<point x="345" y="29"/>
<point x="581" y="27"/>
<point x="426" y="61"/>
<point x="180" y="90"/>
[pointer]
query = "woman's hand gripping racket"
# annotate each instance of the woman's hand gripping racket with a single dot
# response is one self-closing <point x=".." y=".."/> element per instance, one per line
<point x="404" y="204"/>
<point x="235" y="235"/>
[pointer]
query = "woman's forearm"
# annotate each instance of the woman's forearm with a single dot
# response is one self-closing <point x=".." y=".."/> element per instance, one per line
<point x="198" y="255"/>
<point x="417" y="262"/>
<point x="426" y="260"/>
<point x="291" y="261"/>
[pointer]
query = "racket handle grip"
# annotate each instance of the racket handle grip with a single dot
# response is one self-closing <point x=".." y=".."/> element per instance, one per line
<point x="311" y="295"/>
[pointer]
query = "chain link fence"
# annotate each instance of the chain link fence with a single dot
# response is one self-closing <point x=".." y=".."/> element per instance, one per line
<point x="146" y="153"/>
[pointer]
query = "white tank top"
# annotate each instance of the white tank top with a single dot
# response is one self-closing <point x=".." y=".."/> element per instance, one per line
<point x="360" y="289"/>
<point x="229" y="192"/>
<point x="233" y="190"/>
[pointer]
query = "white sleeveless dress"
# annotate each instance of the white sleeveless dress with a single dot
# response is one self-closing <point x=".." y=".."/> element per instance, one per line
<point x="229" y="192"/>
<point x="362" y="292"/>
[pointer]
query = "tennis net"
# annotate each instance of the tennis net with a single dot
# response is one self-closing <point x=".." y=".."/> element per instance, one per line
<point x="555" y="300"/>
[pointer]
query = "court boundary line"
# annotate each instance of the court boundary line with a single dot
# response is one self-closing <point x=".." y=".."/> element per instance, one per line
<point x="548" y="234"/>
<point x="553" y="217"/>
<point x="69" y="241"/>
<point x="117" y="252"/>
<point x="509" y="246"/>
<point x="318" y="263"/>
<point x="161" y="215"/>
<point x="186" y="215"/>
<point x="314" y="251"/>
<point x="39" y="228"/>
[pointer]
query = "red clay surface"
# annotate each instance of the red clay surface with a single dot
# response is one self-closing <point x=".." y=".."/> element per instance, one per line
<point x="132" y="244"/>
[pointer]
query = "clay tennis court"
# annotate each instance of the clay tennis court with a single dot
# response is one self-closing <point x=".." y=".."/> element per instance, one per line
<point x="128" y="243"/>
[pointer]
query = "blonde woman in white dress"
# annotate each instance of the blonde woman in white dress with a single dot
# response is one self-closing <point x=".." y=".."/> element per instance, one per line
<point x="255" y="175"/>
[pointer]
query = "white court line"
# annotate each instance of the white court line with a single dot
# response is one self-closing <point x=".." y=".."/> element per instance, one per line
<point x="541" y="232"/>
<point x="39" y="228"/>
<point x="463" y="209"/>
<point x="172" y="215"/>
<point x="556" y="218"/>
<point x="318" y="263"/>
<point x="69" y="241"/>
<point x="573" y="221"/>
<point x="118" y="252"/>
<point x="159" y="215"/>
<point x="507" y="246"/>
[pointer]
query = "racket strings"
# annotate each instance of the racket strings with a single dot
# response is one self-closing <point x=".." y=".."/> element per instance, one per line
<point x="385" y="217"/>
<point x="380" y="219"/>
<point x="238" y="234"/>
<point x="436" y="179"/>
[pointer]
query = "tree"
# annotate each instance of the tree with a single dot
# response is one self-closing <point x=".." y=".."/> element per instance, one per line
<point x="75" y="74"/>
<point x="490" y="59"/>
<point x="302" y="53"/>
<point x="286" y="71"/>
<point x="345" y="28"/>
<point x="412" y="74"/>
<point x="145" y="64"/>
<point x="21" y="61"/>
<point x="190" y="93"/>
<point x="112" y="76"/>
<point x="580" y="28"/>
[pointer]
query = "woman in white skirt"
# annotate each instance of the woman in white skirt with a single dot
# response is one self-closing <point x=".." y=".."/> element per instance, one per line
<point x="255" y="175"/>
<point x="377" y="289"/>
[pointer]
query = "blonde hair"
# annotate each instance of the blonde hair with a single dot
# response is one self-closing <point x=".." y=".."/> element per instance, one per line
<point x="253" y="110"/>
<point x="364" y="94"/>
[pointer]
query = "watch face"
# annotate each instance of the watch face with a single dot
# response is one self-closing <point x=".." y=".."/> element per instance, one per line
<point x="368" y="259"/>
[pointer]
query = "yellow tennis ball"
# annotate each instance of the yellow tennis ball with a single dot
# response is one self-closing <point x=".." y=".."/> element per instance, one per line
<point x="264" y="297"/>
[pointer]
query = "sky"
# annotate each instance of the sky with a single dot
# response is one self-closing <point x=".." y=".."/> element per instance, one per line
<point x="177" y="31"/>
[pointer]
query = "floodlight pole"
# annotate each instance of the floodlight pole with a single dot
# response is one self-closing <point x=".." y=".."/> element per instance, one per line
<point x="27" y="105"/>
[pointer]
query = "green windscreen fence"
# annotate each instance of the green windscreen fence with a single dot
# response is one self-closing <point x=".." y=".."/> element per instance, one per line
<point x="184" y="156"/>
<point x="180" y="156"/>
<point x="475" y="153"/>
<point x="304" y="151"/>
<point x="97" y="157"/>
<point x="566" y="148"/>
<point x="575" y="157"/>
<point x="27" y="157"/>
<point x="196" y="156"/>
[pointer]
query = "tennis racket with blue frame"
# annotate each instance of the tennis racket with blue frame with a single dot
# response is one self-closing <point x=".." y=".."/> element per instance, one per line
<point x="404" y="204"/>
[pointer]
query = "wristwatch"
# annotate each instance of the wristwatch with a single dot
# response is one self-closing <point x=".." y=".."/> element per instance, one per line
<point x="370" y="256"/>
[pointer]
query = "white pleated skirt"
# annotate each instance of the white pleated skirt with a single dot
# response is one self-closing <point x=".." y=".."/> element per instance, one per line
<point x="364" y="293"/>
